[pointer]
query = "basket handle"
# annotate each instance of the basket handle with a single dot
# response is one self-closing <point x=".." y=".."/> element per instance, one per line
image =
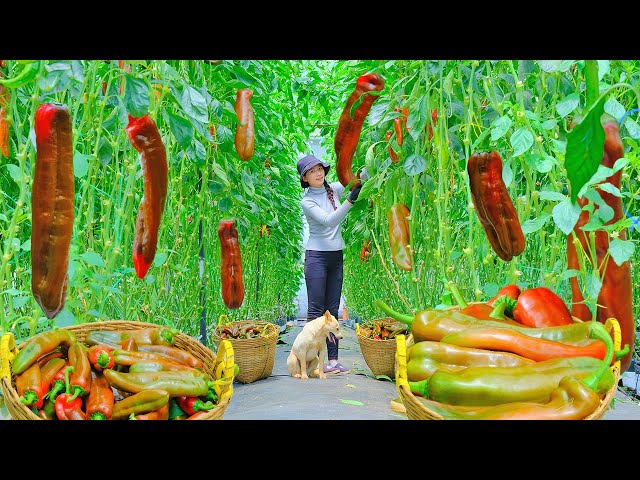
<point x="221" y="317"/>
<point x="8" y="352"/>
<point x="401" y="357"/>
<point x="224" y="364"/>
<point x="612" y="324"/>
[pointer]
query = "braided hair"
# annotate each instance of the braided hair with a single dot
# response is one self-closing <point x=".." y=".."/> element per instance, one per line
<point x="330" y="194"/>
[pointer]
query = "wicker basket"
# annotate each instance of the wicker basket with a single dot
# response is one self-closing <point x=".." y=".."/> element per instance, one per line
<point x="219" y="368"/>
<point x="379" y="355"/>
<point x="415" y="410"/>
<point x="255" y="356"/>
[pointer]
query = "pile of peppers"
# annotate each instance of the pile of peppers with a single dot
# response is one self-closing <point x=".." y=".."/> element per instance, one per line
<point x="482" y="363"/>
<point x="113" y="375"/>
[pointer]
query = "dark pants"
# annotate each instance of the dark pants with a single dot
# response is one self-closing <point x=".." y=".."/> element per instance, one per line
<point x="323" y="276"/>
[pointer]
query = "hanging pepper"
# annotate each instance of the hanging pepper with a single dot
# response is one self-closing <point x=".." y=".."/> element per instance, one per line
<point x="494" y="207"/>
<point x="616" y="294"/>
<point x="100" y="401"/>
<point x="67" y="402"/>
<point x="26" y="75"/>
<point x="145" y="138"/>
<point x="141" y="402"/>
<point x="52" y="200"/>
<point x="350" y="127"/>
<point x="541" y="307"/>
<point x="231" y="264"/>
<point x="392" y="154"/>
<point x="365" y="251"/>
<point x="157" y="335"/>
<point x="29" y="386"/>
<point x="397" y="126"/>
<point x="80" y="378"/>
<point x="432" y="324"/>
<point x="429" y="126"/>
<point x="176" y="383"/>
<point x="100" y="357"/>
<point x="425" y="357"/>
<point x="5" y="145"/>
<point x="245" y="134"/>
<point x="399" y="236"/>
<point x="191" y="405"/>
<point x="41" y="344"/>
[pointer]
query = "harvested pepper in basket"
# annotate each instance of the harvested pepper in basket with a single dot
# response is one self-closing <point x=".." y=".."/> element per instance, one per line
<point x="572" y="399"/>
<point x="181" y="383"/>
<point x="100" y="357"/>
<point x="41" y="344"/>
<point x="80" y="378"/>
<point x="173" y="353"/>
<point x="541" y="307"/>
<point x="100" y="401"/>
<point x="191" y="405"/>
<point x="144" y="401"/>
<point x="52" y="207"/>
<point x="158" y="335"/>
<point x="29" y="386"/>
<point x="144" y="136"/>
<point x="68" y="404"/>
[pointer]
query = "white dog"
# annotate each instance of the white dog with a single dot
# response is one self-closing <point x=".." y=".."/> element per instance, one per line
<point x="309" y="348"/>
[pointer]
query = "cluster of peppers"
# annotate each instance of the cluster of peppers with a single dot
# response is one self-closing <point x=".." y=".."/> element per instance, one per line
<point x="113" y="375"/>
<point x="234" y="330"/>
<point x="484" y="361"/>
<point x="381" y="329"/>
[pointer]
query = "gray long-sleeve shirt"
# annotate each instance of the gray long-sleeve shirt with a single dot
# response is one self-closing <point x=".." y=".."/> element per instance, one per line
<point x="324" y="222"/>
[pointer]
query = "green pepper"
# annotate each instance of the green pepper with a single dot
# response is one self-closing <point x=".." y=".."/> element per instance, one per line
<point x="26" y="75"/>
<point x="41" y="344"/>
<point x="424" y="358"/>
<point x="141" y="402"/>
<point x="178" y="384"/>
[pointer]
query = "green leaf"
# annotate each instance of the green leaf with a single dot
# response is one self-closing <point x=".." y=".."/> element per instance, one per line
<point x="585" y="147"/>
<point x="569" y="273"/>
<point x="221" y="174"/>
<point x="15" y="172"/>
<point x="64" y="319"/>
<point x="225" y="204"/>
<point x="555" y="65"/>
<point x="568" y="104"/>
<point x="621" y="250"/>
<point x="535" y="224"/>
<point x="551" y="196"/>
<point x="592" y="285"/>
<point x="92" y="258"/>
<point x="507" y="174"/>
<point x="521" y="141"/>
<point x="549" y="124"/>
<point x="181" y="128"/>
<point x="105" y="151"/>
<point x="383" y="377"/>
<point x="414" y="165"/>
<point x="136" y="96"/>
<point x="499" y="127"/>
<point x="540" y="163"/>
<point x="80" y="164"/>
<point x="194" y="104"/>
<point x="160" y="258"/>
<point x="352" y="402"/>
<point x="565" y="215"/>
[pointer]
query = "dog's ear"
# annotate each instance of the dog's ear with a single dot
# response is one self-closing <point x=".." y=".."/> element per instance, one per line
<point x="327" y="316"/>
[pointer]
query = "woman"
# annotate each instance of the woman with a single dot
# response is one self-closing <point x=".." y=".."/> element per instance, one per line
<point x="323" y="254"/>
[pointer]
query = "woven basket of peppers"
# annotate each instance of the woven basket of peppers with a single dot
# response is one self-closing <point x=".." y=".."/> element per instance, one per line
<point x="115" y="370"/>
<point x="377" y="339"/>
<point x="254" y="345"/>
<point x="435" y="382"/>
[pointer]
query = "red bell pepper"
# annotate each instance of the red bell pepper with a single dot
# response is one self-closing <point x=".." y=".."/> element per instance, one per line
<point x="100" y="357"/>
<point x="541" y="307"/>
<point x="191" y="405"/>
<point x="512" y="291"/>
<point x="67" y="402"/>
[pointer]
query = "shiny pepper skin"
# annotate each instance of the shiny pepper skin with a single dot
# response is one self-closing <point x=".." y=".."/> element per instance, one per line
<point x="392" y="154"/>
<point x="52" y="203"/>
<point x="350" y="127"/>
<point x="231" y="264"/>
<point x="145" y="138"/>
<point x="616" y="294"/>
<point x="399" y="236"/>
<point x="494" y="207"/>
<point x="245" y="133"/>
<point x="541" y="307"/>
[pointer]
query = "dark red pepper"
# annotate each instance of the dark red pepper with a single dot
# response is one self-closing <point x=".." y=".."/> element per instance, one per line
<point x="397" y="126"/>
<point x="350" y="127"/>
<point x="245" y="134"/>
<point x="392" y="154"/>
<point x="231" y="264"/>
<point x="145" y="138"/>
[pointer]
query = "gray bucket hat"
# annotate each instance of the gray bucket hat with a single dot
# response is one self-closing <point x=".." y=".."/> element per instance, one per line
<point x="307" y="163"/>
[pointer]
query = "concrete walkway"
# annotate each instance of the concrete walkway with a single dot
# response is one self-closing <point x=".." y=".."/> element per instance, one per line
<point x="353" y="396"/>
